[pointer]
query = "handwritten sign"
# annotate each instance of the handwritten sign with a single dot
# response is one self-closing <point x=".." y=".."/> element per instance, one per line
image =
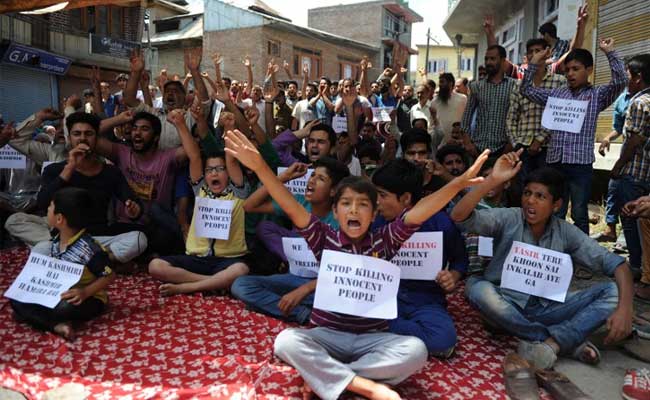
<point x="10" y="158"/>
<point x="537" y="271"/>
<point x="339" y="124"/>
<point x="298" y="185"/>
<point x="564" y="114"/>
<point x="301" y="259"/>
<point x="357" y="285"/>
<point x="381" y="114"/>
<point x="485" y="246"/>
<point x="212" y="218"/>
<point x="420" y="257"/>
<point x="43" y="279"/>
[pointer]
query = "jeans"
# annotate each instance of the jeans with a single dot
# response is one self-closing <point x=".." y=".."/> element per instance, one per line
<point x="628" y="190"/>
<point x="569" y="323"/>
<point x="612" y="202"/>
<point x="530" y="163"/>
<point x="262" y="294"/>
<point x="578" y="190"/>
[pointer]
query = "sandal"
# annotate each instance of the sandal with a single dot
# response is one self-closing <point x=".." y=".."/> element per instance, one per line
<point x="559" y="386"/>
<point x="583" y="273"/>
<point x="520" y="378"/>
<point x="580" y="353"/>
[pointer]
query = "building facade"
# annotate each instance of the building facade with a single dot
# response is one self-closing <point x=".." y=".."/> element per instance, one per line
<point x="446" y="59"/>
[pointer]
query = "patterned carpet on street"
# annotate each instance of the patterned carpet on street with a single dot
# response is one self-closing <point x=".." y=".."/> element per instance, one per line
<point x="186" y="347"/>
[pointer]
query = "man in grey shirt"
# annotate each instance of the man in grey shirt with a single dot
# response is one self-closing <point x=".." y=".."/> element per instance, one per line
<point x="546" y="328"/>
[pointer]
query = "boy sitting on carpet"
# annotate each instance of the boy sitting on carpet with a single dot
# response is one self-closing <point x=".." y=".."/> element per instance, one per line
<point x="422" y="309"/>
<point x="69" y="212"/>
<point x="289" y="296"/>
<point x="546" y="327"/>
<point x="210" y="264"/>
<point x="346" y="352"/>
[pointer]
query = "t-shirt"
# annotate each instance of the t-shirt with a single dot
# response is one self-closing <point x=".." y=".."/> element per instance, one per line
<point x="152" y="180"/>
<point x="303" y="112"/>
<point x="323" y="113"/>
<point x="354" y="166"/>
<point x="450" y="111"/>
<point x="328" y="219"/>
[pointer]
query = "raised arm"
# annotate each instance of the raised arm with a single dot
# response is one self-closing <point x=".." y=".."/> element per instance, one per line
<point x="533" y="93"/>
<point x="145" y="80"/>
<point x="608" y="93"/>
<point x="95" y="83"/>
<point x="434" y="202"/>
<point x="137" y="66"/>
<point x="305" y="80"/>
<point x="189" y="147"/>
<point x="488" y="28"/>
<point x="193" y="64"/>
<point x="249" y="74"/>
<point x="287" y="69"/>
<point x="363" y="77"/>
<point x="259" y="201"/>
<point x="578" y="37"/>
<point x="217" y="60"/>
<point x="240" y="147"/>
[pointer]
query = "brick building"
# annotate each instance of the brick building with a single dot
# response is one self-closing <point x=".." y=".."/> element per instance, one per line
<point x="383" y="24"/>
<point x="236" y="32"/>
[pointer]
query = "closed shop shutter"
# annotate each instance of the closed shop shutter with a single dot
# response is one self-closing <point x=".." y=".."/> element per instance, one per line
<point x="628" y="23"/>
<point x="24" y="91"/>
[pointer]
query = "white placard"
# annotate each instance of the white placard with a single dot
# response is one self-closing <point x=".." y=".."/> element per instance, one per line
<point x="298" y="185"/>
<point x="301" y="259"/>
<point x="357" y="285"/>
<point x="339" y="124"/>
<point x="10" y="158"/>
<point x="564" y="114"/>
<point x="485" y="246"/>
<point x="537" y="271"/>
<point x="43" y="279"/>
<point x="420" y="257"/>
<point x="45" y="164"/>
<point x="212" y="218"/>
<point x="381" y="114"/>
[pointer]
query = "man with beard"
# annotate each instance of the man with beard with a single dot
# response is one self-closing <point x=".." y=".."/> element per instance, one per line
<point x="404" y="107"/>
<point x="423" y="109"/>
<point x="173" y="96"/>
<point x="490" y="99"/>
<point x="292" y="94"/>
<point x="322" y="102"/>
<point x="303" y="112"/>
<point x="416" y="148"/>
<point x="450" y="105"/>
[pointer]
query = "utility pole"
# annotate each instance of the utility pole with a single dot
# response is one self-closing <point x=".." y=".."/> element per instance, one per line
<point x="426" y="56"/>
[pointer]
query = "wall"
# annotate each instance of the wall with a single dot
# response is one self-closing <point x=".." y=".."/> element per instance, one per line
<point x="449" y="53"/>
<point x="344" y="20"/>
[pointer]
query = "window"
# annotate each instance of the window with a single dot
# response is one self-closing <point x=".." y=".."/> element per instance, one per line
<point x="393" y="25"/>
<point x="548" y="11"/>
<point x="307" y="58"/>
<point x="273" y="48"/>
<point x="550" y="6"/>
<point x="348" y="70"/>
<point x="437" y="66"/>
<point x="466" y="64"/>
<point x="102" y="20"/>
<point x="117" y="21"/>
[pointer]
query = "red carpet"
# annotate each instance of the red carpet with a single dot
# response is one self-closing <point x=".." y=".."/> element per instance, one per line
<point x="187" y="347"/>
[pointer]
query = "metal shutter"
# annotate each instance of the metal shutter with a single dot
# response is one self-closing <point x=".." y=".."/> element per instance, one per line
<point x="23" y="92"/>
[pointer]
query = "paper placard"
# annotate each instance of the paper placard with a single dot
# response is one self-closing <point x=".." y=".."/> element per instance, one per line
<point x="43" y="279"/>
<point x="564" y="114"/>
<point x="420" y="257"/>
<point x="537" y="271"/>
<point x="10" y="158"/>
<point x="212" y="218"/>
<point x="45" y="164"/>
<point x="381" y="114"/>
<point x="339" y="124"/>
<point x="485" y="246"/>
<point x="301" y="259"/>
<point x="357" y="285"/>
<point x="298" y="185"/>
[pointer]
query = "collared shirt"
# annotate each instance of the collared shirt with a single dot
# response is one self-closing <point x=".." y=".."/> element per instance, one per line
<point x="637" y="122"/>
<point x="577" y="148"/>
<point x="620" y="110"/>
<point x="83" y="249"/>
<point x="323" y="113"/>
<point x="491" y="103"/>
<point x="525" y="117"/>
<point x="383" y="242"/>
<point x="561" y="47"/>
<point x="506" y="225"/>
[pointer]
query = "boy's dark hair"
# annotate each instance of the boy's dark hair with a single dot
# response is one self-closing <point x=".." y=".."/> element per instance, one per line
<point x="553" y="179"/>
<point x="213" y="154"/>
<point x="82" y="117"/>
<point x="416" y="120"/>
<point x="431" y="84"/>
<point x="331" y="135"/>
<point x="336" y="170"/>
<point x="448" y="149"/>
<point x="640" y="64"/>
<point x="177" y="83"/>
<point x="413" y="136"/>
<point x="226" y="79"/>
<point x="153" y="120"/>
<point x="326" y="79"/>
<point x="447" y="76"/>
<point x="370" y="151"/>
<point x="549" y="28"/>
<point x="500" y="49"/>
<point x="359" y="185"/>
<point x="582" y="56"/>
<point x="76" y="205"/>
<point x="536" y="42"/>
<point x="313" y="86"/>
<point x="291" y="82"/>
<point x="400" y="176"/>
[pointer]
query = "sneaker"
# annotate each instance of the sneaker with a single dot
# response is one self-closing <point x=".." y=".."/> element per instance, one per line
<point x="636" y="384"/>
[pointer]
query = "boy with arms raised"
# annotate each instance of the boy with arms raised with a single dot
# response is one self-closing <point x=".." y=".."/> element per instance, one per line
<point x="321" y="354"/>
<point x="287" y="295"/>
<point x="546" y="327"/>
<point x="422" y="310"/>
<point x="210" y="264"/>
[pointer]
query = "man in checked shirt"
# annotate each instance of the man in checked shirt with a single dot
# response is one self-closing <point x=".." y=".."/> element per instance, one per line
<point x="573" y="153"/>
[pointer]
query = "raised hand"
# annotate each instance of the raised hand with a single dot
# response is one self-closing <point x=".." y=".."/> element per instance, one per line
<point x="162" y="78"/>
<point x="305" y="70"/>
<point x="583" y="16"/>
<point x="217" y="59"/>
<point x="506" y="166"/>
<point x="488" y="23"/>
<point x="540" y="57"/>
<point x="192" y="58"/>
<point x="295" y="170"/>
<point x="77" y="154"/>
<point x="606" y="45"/>
<point x="137" y="60"/>
<point x="469" y="178"/>
<point x="252" y="115"/>
<point x="243" y="150"/>
<point x="126" y="116"/>
<point x="247" y="62"/>
<point x="48" y="114"/>
<point x="270" y="92"/>
<point x="73" y="101"/>
<point x="306" y="130"/>
<point x="422" y="72"/>
<point x="285" y="65"/>
<point x="145" y="79"/>
<point x="196" y="110"/>
<point x="176" y="117"/>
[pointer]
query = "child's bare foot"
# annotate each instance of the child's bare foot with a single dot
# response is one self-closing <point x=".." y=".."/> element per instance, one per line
<point x="383" y="392"/>
<point x="170" y="289"/>
<point x="64" y="329"/>
<point x="307" y="392"/>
